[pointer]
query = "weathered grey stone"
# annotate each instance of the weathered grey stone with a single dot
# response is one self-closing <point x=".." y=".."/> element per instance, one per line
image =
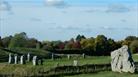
<point x="10" y="61"/>
<point x="83" y="55"/>
<point x="35" y="60"/>
<point x="68" y="56"/>
<point x="22" y="60"/>
<point x="40" y="61"/>
<point x="28" y="57"/>
<point x="15" y="59"/>
<point x="75" y="63"/>
<point x="52" y="56"/>
<point x="122" y="60"/>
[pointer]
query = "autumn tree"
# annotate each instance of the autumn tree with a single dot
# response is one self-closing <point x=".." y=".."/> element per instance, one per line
<point x="69" y="44"/>
<point x="88" y="44"/>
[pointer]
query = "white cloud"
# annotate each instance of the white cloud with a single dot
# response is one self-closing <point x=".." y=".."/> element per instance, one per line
<point x="4" y="6"/>
<point x="56" y="3"/>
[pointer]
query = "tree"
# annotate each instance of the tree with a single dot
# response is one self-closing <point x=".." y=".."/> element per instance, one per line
<point x="69" y="44"/>
<point x="101" y="45"/>
<point x="38" y="45"/>
<point x="76" y="45"/>
<point x="1" y="44"/>
<point x="111" y="45"/>
<point x="47" y="45"/>
<point x="6" y="41"/>
<point x="80" y="37"/>
<point x="31" y="43"/>
<point x="88" y="44"/>
<point x="129" y="39"/>
<point x="56" y="44"/>
<point x="134" y="46"/>
<point x="19" y="40"/>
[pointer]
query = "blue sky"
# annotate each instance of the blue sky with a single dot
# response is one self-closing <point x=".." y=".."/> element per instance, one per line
<point x="64" y="19"/>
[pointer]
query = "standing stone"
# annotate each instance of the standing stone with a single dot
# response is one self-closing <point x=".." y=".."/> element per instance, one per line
<point x="35" y="61"/>
<point x="15" y="59"/>
<point x="22" y="61"/>
<point x="75" y="63"/>
<point x="122" y="60"/>
<point x="28" y="57"/>
<point x="83" y="55"/>
<point x="10" y="59"/>
<point x="68" y="56"/>
<point x="41" y="61"/>
<point x="52" y="56"/>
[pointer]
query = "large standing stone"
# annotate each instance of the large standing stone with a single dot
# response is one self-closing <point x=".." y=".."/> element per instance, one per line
<point x="22" y="61"/>
<point x="122" y="60"/>
<point x="10" y="61"/>
<point x="35" y="60"/>
<point x="15" y="59"/>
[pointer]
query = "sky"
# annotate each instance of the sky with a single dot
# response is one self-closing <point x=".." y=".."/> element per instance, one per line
<point x="64" y="19"/>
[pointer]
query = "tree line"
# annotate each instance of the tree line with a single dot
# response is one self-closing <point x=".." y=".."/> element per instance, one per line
<point x="99" y="45"/>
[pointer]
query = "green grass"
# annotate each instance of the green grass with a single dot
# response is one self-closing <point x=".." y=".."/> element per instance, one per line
<point x="105" y="74"/>
<point x="49" y="63"/>
<point x="64" y="61"/>
<point x="135" y="58"/>
<point x="29" y="69"/>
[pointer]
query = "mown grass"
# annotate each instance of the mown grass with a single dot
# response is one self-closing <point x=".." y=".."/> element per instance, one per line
<point x="105" y="74"/>
<point x="29" y="70"/>
<point x="49" y="63"/>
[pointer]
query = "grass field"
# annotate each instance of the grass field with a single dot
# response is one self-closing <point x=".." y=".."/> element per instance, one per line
<point x="105" y="74"/>
<point x="28" y="69"/>
<point x="49" y="63"/>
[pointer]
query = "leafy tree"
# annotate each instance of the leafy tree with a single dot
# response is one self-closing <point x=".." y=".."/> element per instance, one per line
<point x="56" y="44"/>
<point x="69" y="44"/>
<point x="129" y="39"/>
<point x="1" y="44"/>
<point x="80" y="37"/>
<point x="101" y="45"/>
<point x="88" y="44"/>
<point x="47" y="45"/>
<point x="62" y="45"/>
<point x="111" y="45"/>
<point x="19" y="40"/>
<point x="134" y="46"/>
<point x="31" y="43"/>
<point x="38" y="45"/>
<point x="6" y="41"/>
<point x="76" y="45"/>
